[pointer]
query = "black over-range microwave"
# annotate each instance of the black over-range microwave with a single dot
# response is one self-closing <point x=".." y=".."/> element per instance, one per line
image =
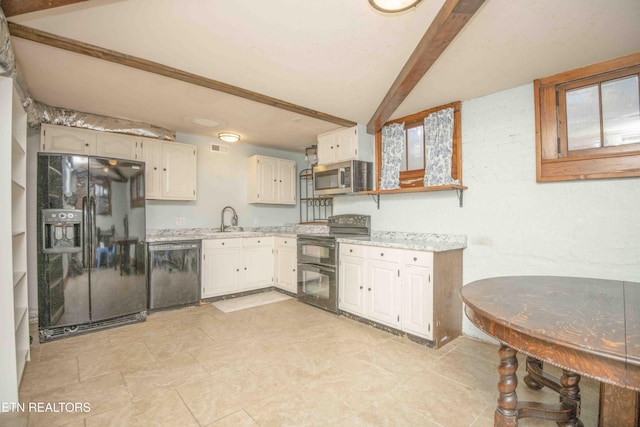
<point x="342" y="178"/>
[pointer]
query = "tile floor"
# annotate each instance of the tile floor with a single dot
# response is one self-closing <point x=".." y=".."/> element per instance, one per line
<point x="281" y="364"/>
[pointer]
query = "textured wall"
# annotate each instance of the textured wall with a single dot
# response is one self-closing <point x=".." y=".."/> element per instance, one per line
<point x="513" y="224"/>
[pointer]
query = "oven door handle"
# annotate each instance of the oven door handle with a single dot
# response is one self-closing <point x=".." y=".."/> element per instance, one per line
<point x="341" y="176"/>
<point x="316" y="267"/>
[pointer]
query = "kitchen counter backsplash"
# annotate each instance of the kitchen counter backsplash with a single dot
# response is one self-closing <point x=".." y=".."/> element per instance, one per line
<point x="392" y="239"/>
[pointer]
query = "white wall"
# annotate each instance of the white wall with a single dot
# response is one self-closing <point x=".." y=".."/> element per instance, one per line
<point x="514" y="225"/>
<point x="222" y="181"/>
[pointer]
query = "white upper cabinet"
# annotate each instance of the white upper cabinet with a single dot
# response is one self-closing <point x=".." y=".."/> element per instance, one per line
<point x="352" y="143"/>
<point x="170" y="170"/>
<point x="271" y="180"/>
<point x="118" y="146"/>
<point x="68" y="140"/>
<point x="179" y="168"/>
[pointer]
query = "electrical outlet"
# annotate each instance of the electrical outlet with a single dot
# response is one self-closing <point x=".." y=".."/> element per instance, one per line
<point x="180" y="220"/>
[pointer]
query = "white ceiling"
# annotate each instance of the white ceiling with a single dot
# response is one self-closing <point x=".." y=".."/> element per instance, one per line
<point x="338" y="57"/>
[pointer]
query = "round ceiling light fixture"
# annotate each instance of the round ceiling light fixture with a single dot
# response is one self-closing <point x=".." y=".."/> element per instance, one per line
<point x="228" y="137"/>
<point x="393" y="6"/>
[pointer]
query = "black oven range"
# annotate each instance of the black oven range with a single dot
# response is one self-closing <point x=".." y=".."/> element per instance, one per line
<point x="318" y="259"/>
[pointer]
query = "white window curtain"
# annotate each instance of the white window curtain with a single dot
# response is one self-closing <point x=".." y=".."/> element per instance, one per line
<point x="393" y="146"/>
<point x="438" y="140"/>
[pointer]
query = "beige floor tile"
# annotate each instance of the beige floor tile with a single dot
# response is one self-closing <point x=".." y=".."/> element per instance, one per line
<point x="474" y="372"/>
<point x="355" y="382"/>
<point x="163" y="375"/>
<point x="386" y="412"/>
<point x="176" y="342"/>
<point x="47" y="375"/>
<point x="164" y="410"/>
<point x="14" y="419"/>
<point x="398" y="358"/>
<point x="237" y="419"/>
<point x="123" y="358"/>
<point x="222" y="394"/>
<point x="292" y="408"/>
<point x="99" y="394"/>
<point x="439" y="399"/>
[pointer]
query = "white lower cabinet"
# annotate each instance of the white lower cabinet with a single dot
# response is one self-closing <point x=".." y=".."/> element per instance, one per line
<point x="351" y="283"/>
<point x="285" y="264"/>
<point x="383" y="292"/>
<point x="257" y="262"/>
<point x="398" y="288"/>
<point x="235" y="265"/>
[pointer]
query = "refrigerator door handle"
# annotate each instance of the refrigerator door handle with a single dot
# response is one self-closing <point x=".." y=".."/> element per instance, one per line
<point x="85" y="233"/>
<point x="92" y="227"/>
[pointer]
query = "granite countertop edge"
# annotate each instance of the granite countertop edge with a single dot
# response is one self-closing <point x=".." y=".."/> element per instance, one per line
<point x="416" y="241"/>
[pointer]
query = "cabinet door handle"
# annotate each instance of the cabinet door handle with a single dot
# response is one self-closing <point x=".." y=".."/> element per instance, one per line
<point x="369" y="289"/>
<point x="258" y="241"/>
<point x="415" y="258"/>
<point x="360" y="287"/>
<point x="350" y="250"/>
<point x="245" y="269"/>
<point x="237" y="269"/>
<point x="164" y="169"/>
<point x="155" y="168"/>
<point x="381" y="253"/>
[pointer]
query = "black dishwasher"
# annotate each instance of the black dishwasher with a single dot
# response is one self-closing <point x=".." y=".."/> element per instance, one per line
<point x="174" y="274"/>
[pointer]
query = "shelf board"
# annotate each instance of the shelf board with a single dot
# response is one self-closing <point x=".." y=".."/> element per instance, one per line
<point x="17" y="144"/>
<point x="17" y="276"/>
<point x="317" y="198"/>
<point x="416" y="189"/>
<point x="20" y="185"/>
<point x="20" y="315"/>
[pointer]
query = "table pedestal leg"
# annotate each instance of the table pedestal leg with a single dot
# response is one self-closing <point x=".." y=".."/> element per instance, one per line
<point x="507" y="414"/>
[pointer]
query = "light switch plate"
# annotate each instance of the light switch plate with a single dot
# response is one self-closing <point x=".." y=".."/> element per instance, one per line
<point x="180" y="220"/>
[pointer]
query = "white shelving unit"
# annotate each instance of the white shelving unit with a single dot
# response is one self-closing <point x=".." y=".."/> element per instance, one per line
<point x="14" y="318"/>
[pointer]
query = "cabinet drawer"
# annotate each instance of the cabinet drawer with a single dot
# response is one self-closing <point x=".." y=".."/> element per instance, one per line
<point x="289" y="242"/>
<point x="384" y="254"/>
<point x="221" y="243"/>
<point x="352" y="250"/>
<point x="258" y="241"/>
<point x="420" y="258"/>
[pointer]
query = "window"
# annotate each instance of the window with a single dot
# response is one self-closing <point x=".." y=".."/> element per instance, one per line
<point x="412" y="167"/>
<point x="588" y="122"/>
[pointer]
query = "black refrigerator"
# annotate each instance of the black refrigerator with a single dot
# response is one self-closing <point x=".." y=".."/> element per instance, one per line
<point x="91" y="244"/>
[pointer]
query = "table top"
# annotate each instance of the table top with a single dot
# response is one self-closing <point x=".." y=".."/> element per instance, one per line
<point x="588" y="326"/>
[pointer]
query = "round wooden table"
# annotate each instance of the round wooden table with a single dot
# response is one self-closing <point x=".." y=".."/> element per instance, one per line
<point x="587" y="327"/>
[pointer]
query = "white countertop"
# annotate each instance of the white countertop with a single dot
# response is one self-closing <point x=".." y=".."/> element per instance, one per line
<point x="390" y="239"/>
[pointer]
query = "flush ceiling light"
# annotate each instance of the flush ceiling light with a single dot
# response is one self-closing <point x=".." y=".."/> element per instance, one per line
<point x="229" y="137"/>
<point x="392" y="6"/>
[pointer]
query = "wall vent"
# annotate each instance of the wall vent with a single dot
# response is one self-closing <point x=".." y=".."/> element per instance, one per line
<point x="219" y="148"/>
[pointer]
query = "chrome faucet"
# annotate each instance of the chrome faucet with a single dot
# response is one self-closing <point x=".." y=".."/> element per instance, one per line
<point x="234" y="218"/>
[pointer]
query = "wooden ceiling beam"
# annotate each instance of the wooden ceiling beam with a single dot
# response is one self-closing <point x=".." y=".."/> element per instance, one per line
<point x="19" y="7"/>
<point x="450" y="20"/>
<point x="76" y="46"/>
